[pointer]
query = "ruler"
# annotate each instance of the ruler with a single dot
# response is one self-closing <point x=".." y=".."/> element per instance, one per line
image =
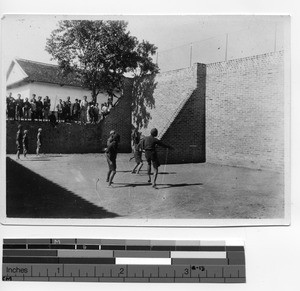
<point x="111" y="260"/>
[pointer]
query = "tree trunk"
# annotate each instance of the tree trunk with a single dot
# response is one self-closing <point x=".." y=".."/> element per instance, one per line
<point x="94" y="96"/>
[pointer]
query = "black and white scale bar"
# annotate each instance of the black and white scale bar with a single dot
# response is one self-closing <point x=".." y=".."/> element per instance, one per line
<point x="106" y="260"/>
<point x="65" y="272"/>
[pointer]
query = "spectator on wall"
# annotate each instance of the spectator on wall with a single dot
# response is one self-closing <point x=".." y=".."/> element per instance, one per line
<point x="76" y="110"/>
<point x="104" y="110"/>
<point x="11" y="108"/>
<point x="33" y="108"/>
<point x="83" y="110"/>
<point x="19" y="107"/>
<point x="88" y="118"/>
<point x="96" y="113"/>
<point x="91" y="113"/>
<point x="46" y="107"/>
<point x="59" y="108"/>
<point x="26" y="109"/>
<point x="66" y="112"/>
<point x="110" y="102"/>
<point x="69" y="105"/>
<point x="7" y="104"/>
<point x="39" y="108"/>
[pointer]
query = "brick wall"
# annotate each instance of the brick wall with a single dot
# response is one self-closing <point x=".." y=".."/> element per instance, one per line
<point x="245" y="112"/>
<point x="179" y="114"/>
<point x="187" y="132"/>
<point x="172" y="91"/>
<point x="76" y="138"/>
<point x="119" y="120"/>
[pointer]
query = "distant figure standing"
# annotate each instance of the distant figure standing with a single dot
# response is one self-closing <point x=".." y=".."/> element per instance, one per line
<point x="25" y="143"/>
<point x="19" y="108"/>
<point x="76" y="110"/>
<point x="33" y="108"/>
<point x="38" y="141"/>
<point x="96" y="113"/>
<point x="104" y="110"/>
<point x="68" y="112"/>
<point x="110" y="101"/>
<point x="26" y="109"/>
<point x="111" y="156"/>
<point x="11" y="109"/>
<point x="149" y="145"/>
<point x="46" y="105"/>
<point x="19" y="141"/>
<point x="39" y="108"/>
<point x="83" y="110"/>
<point x="59" y="108"/>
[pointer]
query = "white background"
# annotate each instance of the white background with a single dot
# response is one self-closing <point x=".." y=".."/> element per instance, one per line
<point x="272" y="253"/>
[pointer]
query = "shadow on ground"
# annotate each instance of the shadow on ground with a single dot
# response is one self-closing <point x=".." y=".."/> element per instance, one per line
<point x="158" y="186"/>
<point x="29" y="195"/>
<point x="164" y="186"/>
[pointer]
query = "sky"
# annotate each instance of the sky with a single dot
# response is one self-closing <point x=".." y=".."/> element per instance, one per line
<point x="24" y="36"/>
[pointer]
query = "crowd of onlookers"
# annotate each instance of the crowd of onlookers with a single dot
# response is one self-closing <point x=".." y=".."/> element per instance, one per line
<point x="81" y="111"/>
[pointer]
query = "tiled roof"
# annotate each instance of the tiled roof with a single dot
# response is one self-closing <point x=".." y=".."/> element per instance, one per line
<point x="47" y="73"/>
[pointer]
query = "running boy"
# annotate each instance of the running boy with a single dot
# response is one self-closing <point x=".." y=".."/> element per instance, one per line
<point x="149" y="145"/>
<point x="39" y="141"/>
<point x="111" y="156"/>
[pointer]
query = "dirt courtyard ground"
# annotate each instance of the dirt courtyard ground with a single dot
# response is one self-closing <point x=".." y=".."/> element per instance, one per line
<point x="64" y="186"/>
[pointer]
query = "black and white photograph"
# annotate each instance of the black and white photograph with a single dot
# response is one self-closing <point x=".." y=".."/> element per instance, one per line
<point x="178" y="120"/>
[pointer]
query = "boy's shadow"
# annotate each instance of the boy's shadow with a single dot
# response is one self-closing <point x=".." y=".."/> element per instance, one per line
<point x="165" y="186"/>
<point x="167" y="173"/>
<point x="123" y="185"/>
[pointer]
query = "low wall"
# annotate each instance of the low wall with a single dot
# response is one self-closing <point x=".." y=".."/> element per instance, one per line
<point x="65" y="138"/>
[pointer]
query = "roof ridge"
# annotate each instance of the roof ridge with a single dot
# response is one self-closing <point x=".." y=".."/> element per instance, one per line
<point x="36" y="62"/>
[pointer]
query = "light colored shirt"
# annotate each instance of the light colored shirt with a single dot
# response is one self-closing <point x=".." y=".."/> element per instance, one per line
<point x="83" y="105"/>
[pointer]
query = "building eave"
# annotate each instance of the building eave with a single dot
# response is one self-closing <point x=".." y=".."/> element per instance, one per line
<point x="28" y="81"/>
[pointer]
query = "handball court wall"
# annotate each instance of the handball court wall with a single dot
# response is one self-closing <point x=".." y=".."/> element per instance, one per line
<point x="229" y="113"/>
<point x="234" y="114"/>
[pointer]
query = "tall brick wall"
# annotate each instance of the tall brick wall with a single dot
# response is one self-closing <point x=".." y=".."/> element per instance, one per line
<point x="119" y="120"/>
<point x="187" y="131"/>
<point x="76" y="138"/>
<point x="179" y="114"/>
<point x="172" y="91"/>
<point x="245" y="112"/>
